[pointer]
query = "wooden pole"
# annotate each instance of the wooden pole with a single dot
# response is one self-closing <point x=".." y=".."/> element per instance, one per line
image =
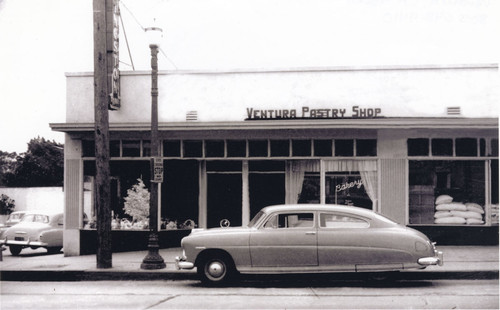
<point x="104" y="259"/>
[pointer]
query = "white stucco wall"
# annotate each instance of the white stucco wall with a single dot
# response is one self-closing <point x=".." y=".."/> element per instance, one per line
<point x="49" y="199"/>
<point x="399" y="92"/>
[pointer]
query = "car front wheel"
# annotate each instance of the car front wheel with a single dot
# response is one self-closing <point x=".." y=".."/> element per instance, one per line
<point x="15" y="249"/>
<point x="216" y="269"/>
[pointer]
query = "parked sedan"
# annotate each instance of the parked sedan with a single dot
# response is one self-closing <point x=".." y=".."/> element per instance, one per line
<point x="307" y="239"/>
<point x="36" y="229"/>
<point x="13" y="218"/>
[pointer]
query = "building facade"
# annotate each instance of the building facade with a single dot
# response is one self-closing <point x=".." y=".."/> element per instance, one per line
<point x="417" y="144"/>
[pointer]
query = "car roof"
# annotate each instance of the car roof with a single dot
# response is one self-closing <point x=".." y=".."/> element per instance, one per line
<point x="321" y="207"/>
<point x="49" y="213"/>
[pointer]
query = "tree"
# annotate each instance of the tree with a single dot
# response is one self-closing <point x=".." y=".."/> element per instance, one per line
<point x="137" y="201"/>
<point x="7" y="205"/>
<point x="7" y="165"/>
<point x="41" y="165"/>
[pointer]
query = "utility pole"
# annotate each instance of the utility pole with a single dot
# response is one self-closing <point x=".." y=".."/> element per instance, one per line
<point x="101" y="115"/>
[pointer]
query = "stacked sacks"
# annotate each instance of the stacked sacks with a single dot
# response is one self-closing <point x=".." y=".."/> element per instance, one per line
<point x="449" y="212"/>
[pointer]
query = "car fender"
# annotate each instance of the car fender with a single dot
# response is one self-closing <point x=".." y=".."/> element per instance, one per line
<point x="53" y="237"/>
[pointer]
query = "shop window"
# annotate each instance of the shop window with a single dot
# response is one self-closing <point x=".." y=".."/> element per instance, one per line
<point x="347" y="188"/>
<point x="366" y="147"/>
<point x="482" y="147"/>
<point x="125" y="177"/>
<point x="310" y="192"/>
<point x="131" y="148"/>
<point x="214" y="148"/>
<point x="442" y="147"/>
<point x="266" y="165"/>
<point x="193" y="148"/>
<point x="344" y="147"/>
<point x="466" y="147"/>
<point x="257" y="148"/>
<point x="146" y="148"/>
<point x="418" y="147"/>
<point x="322" y="148"/>
<point x="447" y="192"/>
<point x="263" y="176"/>
<point x="236" y="148"/>
<point x="114" y="148"/>
<point x="172" y="148"/>
<point x="301" y="148"/>
<point x="224" y="166"/>
<point x="88" y="148"/>
<point x="280" y="148"/>
<point x="494" y="147"/>
<point x="179" y="195"/>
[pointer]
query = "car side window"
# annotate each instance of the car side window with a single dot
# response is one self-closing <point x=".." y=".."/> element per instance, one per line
<point x="291" y="220"/>
<point x="332" y="220"/>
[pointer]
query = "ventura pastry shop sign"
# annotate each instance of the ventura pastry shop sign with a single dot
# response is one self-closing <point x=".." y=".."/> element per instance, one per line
<point x="310" y="113"/>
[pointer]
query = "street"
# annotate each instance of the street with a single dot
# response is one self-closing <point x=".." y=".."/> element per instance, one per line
<point x="253" y="293"/>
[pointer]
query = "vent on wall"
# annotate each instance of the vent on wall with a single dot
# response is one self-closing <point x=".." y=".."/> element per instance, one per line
<point x="453" y="111"/>
<point x="192" y="116"/>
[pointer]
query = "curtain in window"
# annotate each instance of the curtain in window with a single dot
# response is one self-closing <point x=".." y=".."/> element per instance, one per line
<point x="296" y="173"/>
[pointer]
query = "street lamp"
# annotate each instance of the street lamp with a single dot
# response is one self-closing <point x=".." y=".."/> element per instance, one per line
<point x="153" y="260"/>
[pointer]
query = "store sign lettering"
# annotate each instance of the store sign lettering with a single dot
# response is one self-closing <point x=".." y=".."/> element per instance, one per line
<point x="347" y="185"/>
<point x="308" y="113"/>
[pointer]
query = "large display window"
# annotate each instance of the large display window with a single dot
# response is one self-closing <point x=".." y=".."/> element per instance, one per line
<point x="451" y="192"/>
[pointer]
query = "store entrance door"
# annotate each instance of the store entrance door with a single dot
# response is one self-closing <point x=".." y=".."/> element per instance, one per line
<point x="224" y="192"/>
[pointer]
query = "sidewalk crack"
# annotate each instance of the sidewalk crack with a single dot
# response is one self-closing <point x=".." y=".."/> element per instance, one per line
<point x="162" y="301"/>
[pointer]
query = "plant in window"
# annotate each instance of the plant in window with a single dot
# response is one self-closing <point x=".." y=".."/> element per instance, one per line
<point x="137" y="202"/>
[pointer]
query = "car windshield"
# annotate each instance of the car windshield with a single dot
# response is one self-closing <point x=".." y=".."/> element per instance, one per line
<point x="255" y="219"/>
<point x="15" y="216"/>
<point x="38" y="218"/>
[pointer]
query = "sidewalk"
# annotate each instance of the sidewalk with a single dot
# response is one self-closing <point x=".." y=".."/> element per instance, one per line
<point x="460" y="262"/>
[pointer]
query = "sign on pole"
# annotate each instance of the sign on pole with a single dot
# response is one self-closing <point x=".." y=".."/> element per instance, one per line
<point x="157" y="173"/>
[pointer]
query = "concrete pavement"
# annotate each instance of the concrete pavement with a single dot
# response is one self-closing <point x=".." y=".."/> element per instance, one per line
<point x="460" y="262"/>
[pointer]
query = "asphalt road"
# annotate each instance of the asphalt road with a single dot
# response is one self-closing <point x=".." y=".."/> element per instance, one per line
<point x="268" y="293"/>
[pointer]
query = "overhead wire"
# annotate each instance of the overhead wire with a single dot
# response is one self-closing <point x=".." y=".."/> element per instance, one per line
<point x="144" y="29"/>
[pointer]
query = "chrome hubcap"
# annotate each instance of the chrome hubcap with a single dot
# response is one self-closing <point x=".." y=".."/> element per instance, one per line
<point x="215" y="269"/>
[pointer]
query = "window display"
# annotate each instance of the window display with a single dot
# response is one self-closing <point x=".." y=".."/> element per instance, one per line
<point x="447" y="192"/>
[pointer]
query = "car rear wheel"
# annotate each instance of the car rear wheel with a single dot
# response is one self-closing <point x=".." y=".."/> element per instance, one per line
<point x="216" y="269"/>
<point x="15" y="249"/>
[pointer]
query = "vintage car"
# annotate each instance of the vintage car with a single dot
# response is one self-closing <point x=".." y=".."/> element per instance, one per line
<point x="13" y="218"/>
<point x="307" y="239"/>
<point x="36" y="229"/>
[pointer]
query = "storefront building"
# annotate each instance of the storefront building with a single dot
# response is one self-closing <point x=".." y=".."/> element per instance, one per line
<point x="417" y="144"/>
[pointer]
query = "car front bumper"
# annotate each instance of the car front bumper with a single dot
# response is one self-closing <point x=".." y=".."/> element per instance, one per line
<point x="434" y="260"/>
<point x="182" y="263"/>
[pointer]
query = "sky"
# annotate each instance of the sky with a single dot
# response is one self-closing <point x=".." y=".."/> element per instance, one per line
<point x="42" y="40"/>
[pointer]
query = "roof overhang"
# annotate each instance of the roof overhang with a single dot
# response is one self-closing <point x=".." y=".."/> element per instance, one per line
<point x="297" y="124"/>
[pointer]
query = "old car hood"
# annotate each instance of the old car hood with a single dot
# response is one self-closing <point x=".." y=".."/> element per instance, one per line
<point x="219" y="231"/>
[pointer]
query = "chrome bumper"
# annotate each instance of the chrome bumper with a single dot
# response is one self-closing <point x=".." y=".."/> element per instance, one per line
<point x="181" y="263"/>
<point x="24" y="243"/>
<point x="435" y="260"/>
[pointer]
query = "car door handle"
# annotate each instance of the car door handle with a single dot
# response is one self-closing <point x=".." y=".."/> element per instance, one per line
<point x="311" y="233"/>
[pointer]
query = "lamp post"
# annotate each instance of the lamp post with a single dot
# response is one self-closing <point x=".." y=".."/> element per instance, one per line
<point x="153" y="260"/>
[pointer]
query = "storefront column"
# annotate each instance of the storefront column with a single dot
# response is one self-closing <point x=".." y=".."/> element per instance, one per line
<point x="202" y="196"/>
<point x="73" y="196"/>
<point x="245" y="212"/>
<point x="322" y="182"/>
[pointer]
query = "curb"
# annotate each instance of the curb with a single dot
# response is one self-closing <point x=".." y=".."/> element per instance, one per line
<point x="71" y="276"/>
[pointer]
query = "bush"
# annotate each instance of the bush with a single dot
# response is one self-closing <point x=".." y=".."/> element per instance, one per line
<point x="7" y="205"/>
